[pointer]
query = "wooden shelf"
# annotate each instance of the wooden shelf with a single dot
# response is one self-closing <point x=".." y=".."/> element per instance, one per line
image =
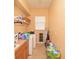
<point x="21" y="22"/>
<point x="18" y="22"/>
<point x="25" y="20"/>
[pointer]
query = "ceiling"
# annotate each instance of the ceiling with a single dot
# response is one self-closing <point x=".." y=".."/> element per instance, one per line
<point x="39" y="3"/>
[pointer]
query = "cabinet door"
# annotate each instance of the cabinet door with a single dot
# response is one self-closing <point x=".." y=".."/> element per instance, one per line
<point x="22" y="52"/>
<point x="26" y="51"/>
<point x="20" y="55"/>
<point x="25" y="54"/>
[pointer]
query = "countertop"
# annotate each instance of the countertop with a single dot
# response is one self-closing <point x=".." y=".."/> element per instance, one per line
<point x="19" y="43"/>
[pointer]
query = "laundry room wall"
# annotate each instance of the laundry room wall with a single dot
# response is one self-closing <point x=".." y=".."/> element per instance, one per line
<point x="38" y="12"/>
<point x="56" y="25"/>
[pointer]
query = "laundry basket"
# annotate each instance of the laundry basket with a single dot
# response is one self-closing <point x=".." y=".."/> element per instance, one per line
<point x="53" y="52"/>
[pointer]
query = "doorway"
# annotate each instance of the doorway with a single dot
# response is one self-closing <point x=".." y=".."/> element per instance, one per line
<point x="40" y="37"/>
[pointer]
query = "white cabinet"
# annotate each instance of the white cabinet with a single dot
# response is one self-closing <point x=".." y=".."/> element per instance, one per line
<point x="32" y="43"/>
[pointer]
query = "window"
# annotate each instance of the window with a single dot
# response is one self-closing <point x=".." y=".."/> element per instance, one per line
<point x="40" y="22"/>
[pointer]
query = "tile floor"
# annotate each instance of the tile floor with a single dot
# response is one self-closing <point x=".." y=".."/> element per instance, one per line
<point x="39" y="52"/>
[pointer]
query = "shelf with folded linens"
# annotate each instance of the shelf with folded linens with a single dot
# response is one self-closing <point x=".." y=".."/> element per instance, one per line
<point x="22" y="20"/>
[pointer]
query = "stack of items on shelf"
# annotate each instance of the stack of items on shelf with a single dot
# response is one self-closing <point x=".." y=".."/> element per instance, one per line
<point x="24" y="35"/>
<point x="22" y="19"/>
<point x="52" y="51"/>
<point x="18" y="19"/>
